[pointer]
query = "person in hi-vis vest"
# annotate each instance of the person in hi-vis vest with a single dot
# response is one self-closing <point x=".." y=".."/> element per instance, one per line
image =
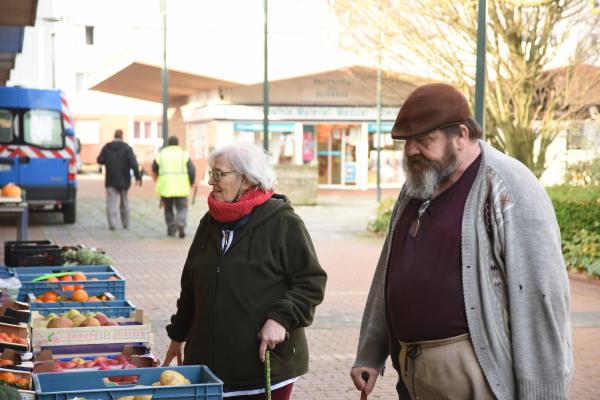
<point x="175" y="174"/>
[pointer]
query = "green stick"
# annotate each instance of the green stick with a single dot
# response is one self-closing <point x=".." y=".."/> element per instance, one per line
<point x="267" y="375"/>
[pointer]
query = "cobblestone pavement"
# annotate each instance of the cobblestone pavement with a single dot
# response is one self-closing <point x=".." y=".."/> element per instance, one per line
<point x="152" y="263"/>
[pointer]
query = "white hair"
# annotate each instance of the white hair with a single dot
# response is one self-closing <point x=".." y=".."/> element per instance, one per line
<point x="249" y="160"/>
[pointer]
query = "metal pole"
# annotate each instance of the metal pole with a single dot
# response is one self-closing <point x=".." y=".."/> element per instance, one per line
<point x="480" y="67"/>
<point x="266" y="85"/>
<point x="378" y="102"/>
<point x="53" y="50"/>
<point x="379" y="124"/>
<point x="165" y="75"/>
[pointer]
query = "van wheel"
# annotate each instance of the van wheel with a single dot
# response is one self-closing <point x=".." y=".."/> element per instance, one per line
<point x="69" y="213"/>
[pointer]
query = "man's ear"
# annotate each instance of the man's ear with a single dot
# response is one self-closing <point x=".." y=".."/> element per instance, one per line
<point x="462" y="139"/>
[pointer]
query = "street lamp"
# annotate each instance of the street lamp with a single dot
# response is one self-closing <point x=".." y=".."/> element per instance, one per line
<point x="266" y="83"/>
<point x="164" y="74"/>
<point x="480" y="66"/>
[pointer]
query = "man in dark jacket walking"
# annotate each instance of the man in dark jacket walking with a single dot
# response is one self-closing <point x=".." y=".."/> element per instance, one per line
<point x="118" y="158"/>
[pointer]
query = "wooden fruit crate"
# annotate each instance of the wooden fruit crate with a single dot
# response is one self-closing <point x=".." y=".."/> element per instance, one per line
<point x="135" y="329"/>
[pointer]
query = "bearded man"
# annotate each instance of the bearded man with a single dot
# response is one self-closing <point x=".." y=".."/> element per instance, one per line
<point x="470" y="297"/>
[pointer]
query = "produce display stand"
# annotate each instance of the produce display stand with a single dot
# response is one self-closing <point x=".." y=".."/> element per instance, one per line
<point x="93" y="362"/>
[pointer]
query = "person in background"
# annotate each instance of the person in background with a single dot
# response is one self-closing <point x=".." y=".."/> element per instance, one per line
<point x="175" y="175"/>
<point x="119" y="161"/>
<point x="470" y="297"/>
<point x="251" y="281"/>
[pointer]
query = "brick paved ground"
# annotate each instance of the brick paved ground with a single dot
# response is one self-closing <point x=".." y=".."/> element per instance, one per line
<point x="152" y="264"/>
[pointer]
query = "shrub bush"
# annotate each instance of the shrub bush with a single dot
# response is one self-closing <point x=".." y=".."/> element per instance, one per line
<point x="381" y="221"/>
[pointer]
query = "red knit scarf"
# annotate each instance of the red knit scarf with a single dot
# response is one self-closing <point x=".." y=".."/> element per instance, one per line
<point x="229" y="212"/>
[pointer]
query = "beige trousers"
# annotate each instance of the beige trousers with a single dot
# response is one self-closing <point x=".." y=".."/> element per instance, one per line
<point x="444" y="369"/>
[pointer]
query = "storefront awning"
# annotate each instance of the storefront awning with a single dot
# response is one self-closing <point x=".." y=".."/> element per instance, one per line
<point x="14" y="16"/>
<point x="143" y="81"/>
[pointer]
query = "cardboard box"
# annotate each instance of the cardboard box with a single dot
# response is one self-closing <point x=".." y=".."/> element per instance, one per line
<point x="15" y="312"/>
<point x="21" y="331"/>
<point x="135" y="329"/>
<point x="139" y="356"/>
<point x="18" y="374"/>
<point x="18" y="364"/>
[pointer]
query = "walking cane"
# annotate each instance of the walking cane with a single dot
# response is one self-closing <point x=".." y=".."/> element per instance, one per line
<point x="365" y="376"/>
<point x="267" y="375"/>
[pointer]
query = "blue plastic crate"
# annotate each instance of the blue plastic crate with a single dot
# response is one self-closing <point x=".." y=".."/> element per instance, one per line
<point x="6" y="272"/>
<point x="89" y="384"/>
<point x="112" y="309"/>
<point x="37" y="271"/>
<point x="93" y="288"/>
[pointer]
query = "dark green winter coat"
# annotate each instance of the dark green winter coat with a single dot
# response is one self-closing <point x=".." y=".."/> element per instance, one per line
<point x="270" y="271"/>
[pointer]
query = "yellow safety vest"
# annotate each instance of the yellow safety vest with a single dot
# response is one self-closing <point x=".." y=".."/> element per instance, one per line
<point x="173" y="180"/>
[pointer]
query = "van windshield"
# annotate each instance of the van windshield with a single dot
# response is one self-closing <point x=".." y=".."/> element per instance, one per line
<point x="43" y="128"/>
<point x="6" y="124"/>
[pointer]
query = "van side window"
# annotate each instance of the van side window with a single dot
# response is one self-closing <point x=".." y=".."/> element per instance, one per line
<point x="6" y="131"/>
<point x="43" y="128"/>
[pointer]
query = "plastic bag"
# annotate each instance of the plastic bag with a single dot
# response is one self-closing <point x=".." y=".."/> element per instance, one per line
<point x="10" y="287"/>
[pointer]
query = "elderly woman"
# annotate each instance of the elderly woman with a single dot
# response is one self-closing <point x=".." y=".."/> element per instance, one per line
<point x="251" y="281"/>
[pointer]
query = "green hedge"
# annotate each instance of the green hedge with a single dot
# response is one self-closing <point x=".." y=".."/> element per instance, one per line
<point x="578" y="214"/>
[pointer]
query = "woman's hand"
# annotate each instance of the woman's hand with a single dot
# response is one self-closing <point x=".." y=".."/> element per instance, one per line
<point x="175" y="350"/>
<point x="271" y="334"/>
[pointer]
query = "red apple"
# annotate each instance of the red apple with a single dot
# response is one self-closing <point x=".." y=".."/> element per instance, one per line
<point x="69" y="365"/>
<point x="89" y="364"/>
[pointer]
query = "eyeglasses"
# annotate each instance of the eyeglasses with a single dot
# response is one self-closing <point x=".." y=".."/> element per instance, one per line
<point x="416" y="224"/>
<point x="216" y="174"/>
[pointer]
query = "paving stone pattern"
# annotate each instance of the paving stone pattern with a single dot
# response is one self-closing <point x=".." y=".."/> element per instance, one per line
<point x="152" y="263"/>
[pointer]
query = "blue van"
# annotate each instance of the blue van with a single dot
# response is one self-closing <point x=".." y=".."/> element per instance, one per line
<point x="38" y="149"/>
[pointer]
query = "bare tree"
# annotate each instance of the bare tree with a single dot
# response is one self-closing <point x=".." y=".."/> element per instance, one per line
<point x="527" y="99"/>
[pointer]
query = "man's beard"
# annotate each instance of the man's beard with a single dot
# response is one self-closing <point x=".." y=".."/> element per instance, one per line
<point x="424" y="177"/>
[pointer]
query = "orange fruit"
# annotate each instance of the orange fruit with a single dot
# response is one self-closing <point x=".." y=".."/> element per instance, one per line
<point x="22" y="383"/>
<point x="50" y="297"/>
<point x="66" y="278"/>
<point x="80" y="295"/>
<point x="11" y="190"/>
<point x="67" y="288"/>
<point x="94" y="298"/>
<point x="4" y="362"/>
<point x="20" y="340"/>
<point x="52" y="279"/>
<point x="8" y="377"/>
<point x="79" y="276"/>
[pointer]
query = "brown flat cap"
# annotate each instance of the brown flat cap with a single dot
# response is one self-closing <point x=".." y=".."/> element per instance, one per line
<point x="430" y="107"/>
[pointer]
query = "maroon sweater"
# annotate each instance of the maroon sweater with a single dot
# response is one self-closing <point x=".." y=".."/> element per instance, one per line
<point x="424" y="288"/>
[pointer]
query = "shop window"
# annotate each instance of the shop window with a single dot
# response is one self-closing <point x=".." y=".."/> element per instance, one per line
<point x="89" y="35"/>
<point x="390" y="159"/>
<point x="137" y="130"/>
